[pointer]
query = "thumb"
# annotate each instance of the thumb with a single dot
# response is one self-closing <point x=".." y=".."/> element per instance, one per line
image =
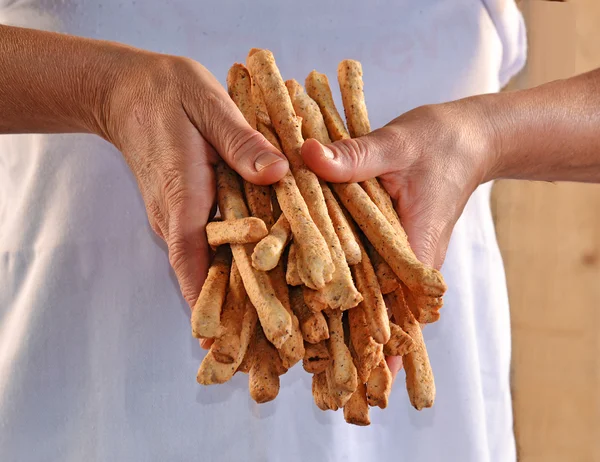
<point x="244" y="149"/>
<point x="355" y="159"/>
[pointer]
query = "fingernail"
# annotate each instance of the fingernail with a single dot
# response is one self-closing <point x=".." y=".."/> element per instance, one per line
<point x="265" y="159"/>
<point x="328" y="153"/>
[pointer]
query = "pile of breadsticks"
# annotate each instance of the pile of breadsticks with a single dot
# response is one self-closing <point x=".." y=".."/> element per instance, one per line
<point x="302" y="267"/>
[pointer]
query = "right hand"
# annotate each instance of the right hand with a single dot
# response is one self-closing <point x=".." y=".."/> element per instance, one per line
<point x="172" y="121"/>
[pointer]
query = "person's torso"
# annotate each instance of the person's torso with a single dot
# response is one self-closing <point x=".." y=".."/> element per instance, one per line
<point x="96" y="355"/>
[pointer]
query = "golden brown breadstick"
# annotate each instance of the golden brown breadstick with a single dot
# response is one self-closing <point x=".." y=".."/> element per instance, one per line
<point x="340" y="292"/>
<point x="389" y="243"/>
<point x="337" y="397"/>
<point x="388" y="282"/>
<point x="342" y="228"/>
<point x="206" y="316"/>
<point x="316" y="260"/>
<point x="320" y="390"/>
<point x="351" y="86"/>
<point x="213" y="372"/>
<point x="344" y="375"/>
<point x="317" y="87"/>
<point x="313" y="125"/>
<point x="274" y="318"/>
<point x="292" y="350"/>
<point x="424" y="308"/>
<point x="313" y="300"/>
<point x="356" y="410"/>
<point x="374" y="304"/>
<point x="227" y="345"/>
<point x="419" y="376"/>
<point x="400" y="342"/>
<point x="257" y="98"/>
<point x="292" y="277"/>
<point x="316" y="357"/>
<point x="379" y="385"/>
<point x="366" y="351"/>
<point x="239" y="87"/>
<point x="268" y="251"/>
<point x="383" y="201"/>
<point x="312" y="325"/>
<point x="241" y="231"/>
<point x="263" y="378"/>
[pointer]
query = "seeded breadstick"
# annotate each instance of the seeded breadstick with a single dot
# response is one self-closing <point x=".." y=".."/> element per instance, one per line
<point x="388" y="282"/>
<point x="241" y="231"/>
<point x="351" y="86"/>
<point x="213" y="372"/>
<point x="400" y="342"/>
<point x="425" y="309"/>
<point x="379" y="385"/>
<point x="313" y="125"/>
<point x="382" y="200"/>
<point x="313" y="300"/>
<point x="274" y="318"/>
<point x="316" y="357"/>
<point x="320" y="392"/>
<point x="227" y="346"/>
<point x="268" y="251"/>
<point x="257" y="99"/>
<point x="317" y="87"/>
<point x="389" y="243"/>
<point x="292" y="350"/>
<point x="366" y="351"/>
<point x="292" y="277"/>
<point x="206" y="316"/>
<point x="312" y="325"/>
<point x="338" y="396"/>
<point x="374" y="305"/>
<point x="340" y="291"/>
<point x="342" y="228"/>
<point x="344" y="372"/>
<point x="317" y="263"/>
<point x="266" y="368"/>
<point x="419" y="376"/>
<point x="356" y="410"/>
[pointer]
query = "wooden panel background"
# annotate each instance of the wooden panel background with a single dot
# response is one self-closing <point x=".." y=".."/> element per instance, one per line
<point x="549" y="235"/>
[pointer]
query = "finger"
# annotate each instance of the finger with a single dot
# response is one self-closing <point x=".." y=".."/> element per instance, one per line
<point x="395" y="364"/>
<point x="221" y="123"/>
<point x="206" y="343"/>
<point x="189" y="209"/>
<point x="356" y="159"/>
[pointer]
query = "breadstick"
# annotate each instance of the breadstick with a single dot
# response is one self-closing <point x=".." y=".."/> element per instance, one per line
<point x="292" y="350"/>
<point x="338" y="397"/>
<point x="351" y="86"/>
<point x="239" y="87"/>
<point x="316" y="357"/>
<point x="374" y="305"/>
<point x="340" y="292"/>
<point x="344" y="373"/>
<point x="425" y="309"/>
<point x="312" y="325"/>
<point x="317" y="87"/>
<point x="356" y="410"/>
<point x="367" y="351"/>
<point x="388" y="282"/>
<point x="263" y="378"/>
<point x="342" y="228"/>
<point x="257" y="98"/>
<point x="292" y="277"/>
<point x="274" y="318"/>
<point x="241" y="231"/>
<point x="320" y="390"/>
<point x="419" y="376"/>
<point x="400" y="343"/>
<point x="206" y="316"/>
<point x="268" y="251"/>
<point x="313" y="300"/>
<point x="379" y="386"/>
<point x="313" y="125"/>
<point x="313" y="250"/>
<point x="213" y="372"/>
<point x="227" y="345"/>
<point x="389" y="243"/>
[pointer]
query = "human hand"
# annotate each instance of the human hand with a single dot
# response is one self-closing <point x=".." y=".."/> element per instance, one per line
<point x="172" y="121"/>
<point x="430" y="160"/>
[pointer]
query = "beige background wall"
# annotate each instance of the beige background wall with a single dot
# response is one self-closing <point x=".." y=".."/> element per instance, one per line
<point x="549" y="235"/>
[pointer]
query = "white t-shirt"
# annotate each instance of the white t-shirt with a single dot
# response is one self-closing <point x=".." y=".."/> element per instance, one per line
<point x="97" y="361"/>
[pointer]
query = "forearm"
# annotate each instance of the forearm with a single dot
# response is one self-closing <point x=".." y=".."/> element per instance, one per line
<point x="550" y="133"/>
<point x="53" y="83"/>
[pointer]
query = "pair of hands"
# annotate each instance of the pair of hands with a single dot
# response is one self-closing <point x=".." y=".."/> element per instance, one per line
<point x="172" y="120"/>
